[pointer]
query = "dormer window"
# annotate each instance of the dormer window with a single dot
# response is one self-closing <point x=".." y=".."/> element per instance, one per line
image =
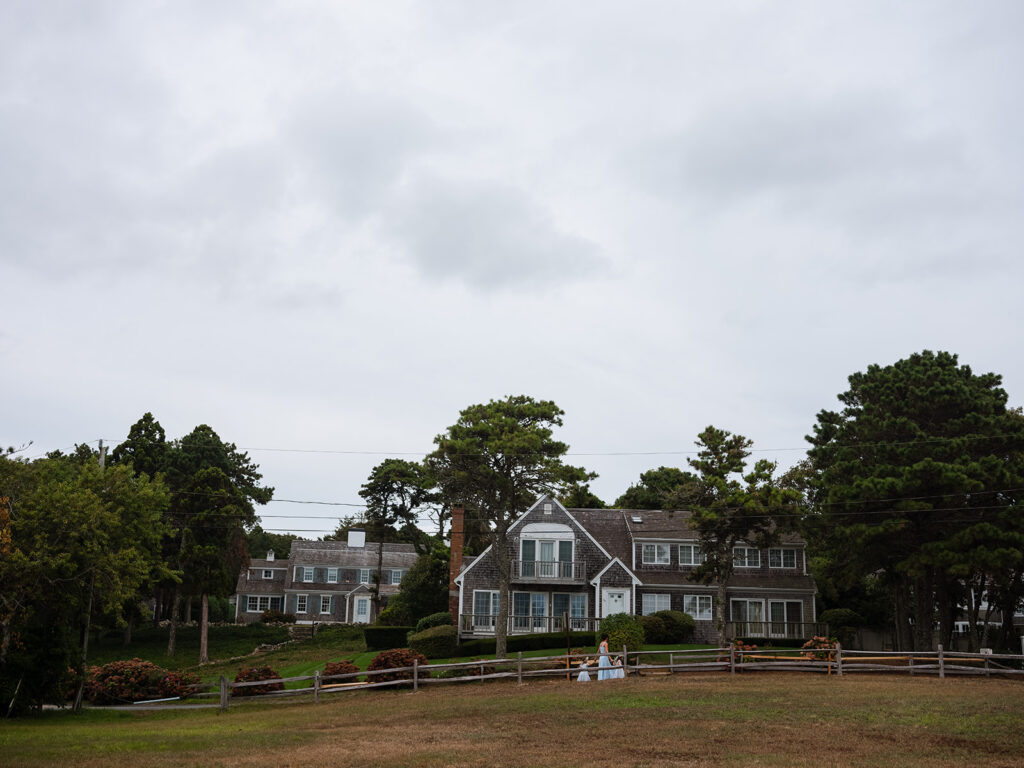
<point x="656" y="554"/>
<point x="546" y="551"/>
<point x="547" y="508"/>
<point x="268" y="573"/>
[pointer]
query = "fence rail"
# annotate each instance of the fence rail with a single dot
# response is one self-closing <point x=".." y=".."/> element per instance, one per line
<point x="733" y="660"/>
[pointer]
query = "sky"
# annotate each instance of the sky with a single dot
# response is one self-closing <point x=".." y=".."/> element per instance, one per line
<point x="324" y="228"/>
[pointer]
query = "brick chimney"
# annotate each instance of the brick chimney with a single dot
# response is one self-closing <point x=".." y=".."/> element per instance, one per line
<point x="455" y="561"/>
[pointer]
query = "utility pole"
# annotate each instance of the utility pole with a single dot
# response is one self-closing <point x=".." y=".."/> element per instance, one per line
<point x="103" y="454"/>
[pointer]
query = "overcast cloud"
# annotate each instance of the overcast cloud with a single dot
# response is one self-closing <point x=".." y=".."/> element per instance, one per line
<point x="327" y="226"/>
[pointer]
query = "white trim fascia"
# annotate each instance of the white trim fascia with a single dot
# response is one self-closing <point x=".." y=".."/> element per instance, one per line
<point x="794" y="590"/>
<point x="694" y="585"/>
<point x="597" y="579"/>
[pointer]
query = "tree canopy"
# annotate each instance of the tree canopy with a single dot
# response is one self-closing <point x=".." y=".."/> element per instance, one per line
<point x="496" y="459"/>
<point x="917" y="481"/>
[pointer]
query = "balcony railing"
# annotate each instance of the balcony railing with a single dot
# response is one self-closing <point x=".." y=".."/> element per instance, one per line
<point x="484" y="623"/>
<point x="553" y="571"/>
<point x="783" y="630"/>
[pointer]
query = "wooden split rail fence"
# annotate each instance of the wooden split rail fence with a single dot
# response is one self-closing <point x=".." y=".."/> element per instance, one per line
<point x="835" y="661"/>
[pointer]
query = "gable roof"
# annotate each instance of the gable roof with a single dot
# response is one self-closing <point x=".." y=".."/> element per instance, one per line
<point x="612" y="563"/>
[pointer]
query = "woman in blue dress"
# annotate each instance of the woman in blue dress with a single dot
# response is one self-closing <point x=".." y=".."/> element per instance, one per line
<point x="604" y="661"/>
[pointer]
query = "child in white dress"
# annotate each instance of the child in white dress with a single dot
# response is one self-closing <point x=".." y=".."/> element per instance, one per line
<point x="584" y="676"/>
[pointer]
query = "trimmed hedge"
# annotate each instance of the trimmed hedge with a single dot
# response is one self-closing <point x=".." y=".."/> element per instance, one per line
<point x="623" y="629"/>
<point x="123" y="682"/>
<point x="679" y="627"/>
<point x="531" y="642"/>
<point x="434" y="620"/>
<point x="437" y="642"/>
<point x="655" y="631"/>
<point x="385" y="638"/>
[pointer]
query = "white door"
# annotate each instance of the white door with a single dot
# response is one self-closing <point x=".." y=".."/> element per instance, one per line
<point x="362" y="610"/>
<point x="614" y="601"/>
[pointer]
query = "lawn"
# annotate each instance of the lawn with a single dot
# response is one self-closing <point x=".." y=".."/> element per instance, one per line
<point x="763" y="719"/>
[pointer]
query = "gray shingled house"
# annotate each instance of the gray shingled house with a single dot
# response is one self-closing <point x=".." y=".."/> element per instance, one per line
<point x="591" y="563"/>
<point x="322" y="581"/>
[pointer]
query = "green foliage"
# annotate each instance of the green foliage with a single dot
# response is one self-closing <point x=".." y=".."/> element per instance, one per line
<point x="258" y="542"/>
<point x="623" y="629"/>
<point x="436" y="642"/>
<point x="655" y="631"/>
<point x="579" y="496"/>
<point x="912" y="482"/>
<point x="439" y="619"/>
<point x="654" y="489"/>
<point x="124" y="682"/>
<point x="397" y="658"/>
<point x="679" y="626"/>
<point x="252" y="674"/>
<point x="842" y="623"/>
<point x="384" y="638"/>
<point x="424" y="590"/>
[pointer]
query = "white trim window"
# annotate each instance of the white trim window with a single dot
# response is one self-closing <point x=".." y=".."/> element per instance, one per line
<point x="652" y="603"/>
<point x="746" y="557"/>
<point x="485" y="608"/>
<point x="656" y="554"/>
<point x="698" y="606"/>
<point x="748" y="615"/>
<point x="690" y="554"/>
<point x="782" y="558"/>
<point x="364" y="575"/>
<point x="332" y="575"/>
<point x="301" y="603"/>
<point x="395" y="576"/>
<point x="325" y="603"/>
<point x="573" y="603"/>
<point x="303" y="574"/>
<point x="268" y="573"/>
<point x="257" y="603"/>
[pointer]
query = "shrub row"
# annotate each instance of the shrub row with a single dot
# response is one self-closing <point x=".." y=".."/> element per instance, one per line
<point x="532" y="642"/>
<point x="123" y="682"/>
<point x="386" y="638"/>
<point x="436" y="642"/>
<point x="434" y="620"/>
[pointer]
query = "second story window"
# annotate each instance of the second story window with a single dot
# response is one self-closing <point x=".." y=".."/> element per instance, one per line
<point x="690" y="554"/>
<point x="656" y="554"/>
<point x="546" y="558"/>
<point x="303" y="574"/>
<point x="782" y="558"/>
<point x="364" y="575"/>
<point x="267" y="573"/>
<point x="332" y="575"/>
<point x="746" y="557"/>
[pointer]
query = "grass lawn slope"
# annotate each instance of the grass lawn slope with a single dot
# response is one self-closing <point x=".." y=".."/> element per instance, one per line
<point x="763" y="719"/>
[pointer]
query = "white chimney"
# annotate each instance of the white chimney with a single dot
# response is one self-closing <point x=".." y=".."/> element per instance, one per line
<point x="357" y="539"/>
<point x="270" y="555"/>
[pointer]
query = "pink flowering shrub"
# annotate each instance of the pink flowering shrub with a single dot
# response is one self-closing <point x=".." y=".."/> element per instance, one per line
<point x="123" y="682"/>
<point x="251" y="674"/>
<point x="819" y="647"/>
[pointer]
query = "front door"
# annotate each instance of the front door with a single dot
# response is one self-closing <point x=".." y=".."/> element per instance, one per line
<point x="362" y="610"/>
<point x="614" y="601"/>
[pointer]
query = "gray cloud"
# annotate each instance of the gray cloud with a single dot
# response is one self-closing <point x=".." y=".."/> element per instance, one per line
<point x="489" y="236"/>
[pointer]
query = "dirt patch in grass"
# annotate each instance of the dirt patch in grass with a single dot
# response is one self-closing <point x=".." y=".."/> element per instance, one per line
<point x="765" y="719"/>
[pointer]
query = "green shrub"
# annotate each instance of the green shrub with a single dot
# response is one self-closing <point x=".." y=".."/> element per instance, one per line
<point x="477" y="647"/>
<point x="842" y="623"/>
<point x="436" y="642"/>
<point x="396" y="658"/>
<point x="679" y="626"/>
<point x="251" y="674"/>
<point x="434" y="620"/>
<point x="655" y="631"/>
<point x="394" y="615"/>
<point x="122" y="682"/>
<point x="385" y="638"/>
<point x="623" y="629"/>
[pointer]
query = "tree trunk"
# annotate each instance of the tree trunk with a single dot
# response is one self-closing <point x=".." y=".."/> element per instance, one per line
<point x="720" y="614"/>
<point x="85" y="645"/>
<point x="924" y="612"/>
<point x="187" y="616"/>
<point x="204" y="626"/>
<point x="172" y="634"/>
<point x="977" y="591"/>
<point x="901" y="609"/>
<point x="945" y="612"/>
<point x="503" y="563"/>
<point x="128" y="630"/>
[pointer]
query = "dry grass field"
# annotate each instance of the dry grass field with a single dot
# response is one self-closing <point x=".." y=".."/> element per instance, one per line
<point x="753" y="719"/>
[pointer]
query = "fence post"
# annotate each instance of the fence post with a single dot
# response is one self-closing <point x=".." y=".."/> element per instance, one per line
<point x="839" y="659"/>
<point x="986" y="667"/>
<point x="223" y="693"/>
<point x="316" y="687"/>
<point x="519" y="668"/>
<point x="942" y="665"/>
<point x="732" y="658"/>
<point x="911" y="659"/>
<point x="415" y="675"/>
<point x="671" y="663"/>
<point x="625" y="660"/>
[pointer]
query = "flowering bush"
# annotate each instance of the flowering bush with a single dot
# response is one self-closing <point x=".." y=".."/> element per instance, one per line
<point x="340" y="668"/>
<point x="122" y="682"/>
<point x="251" y="674"/>
<point x="819" y="647"/>
<point x="274" y="616"/>
<point x="395" y="659"/>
